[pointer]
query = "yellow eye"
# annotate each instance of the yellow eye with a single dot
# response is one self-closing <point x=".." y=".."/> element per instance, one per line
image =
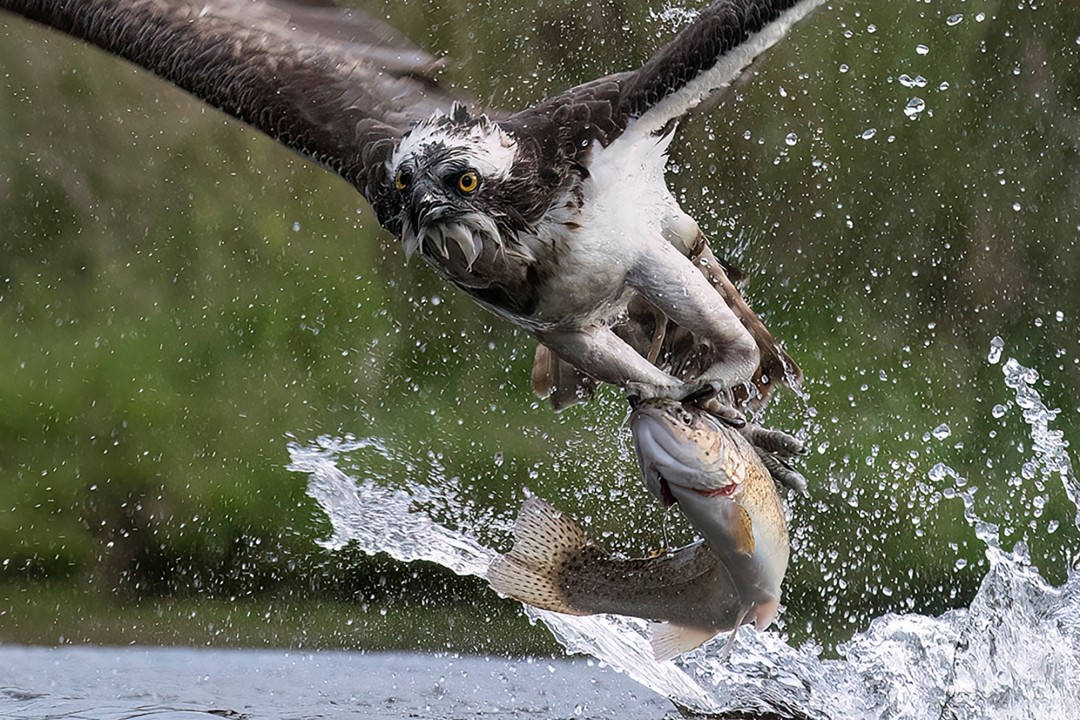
<point x="401" y="181"/>
<point x="467" y="182"/>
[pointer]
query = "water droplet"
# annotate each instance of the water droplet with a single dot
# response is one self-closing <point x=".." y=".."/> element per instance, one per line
<point x="998" y="411"/>
<point x="910" y="82"/>
<point x="996" y="346"/>
<point x="914" y="107"/>
<point x="941" y="432"/>
<point x="922" y="49"/>
<point x="954" y="20"/>
<point x="791" y="139"/>
<point x="296" y="226"/>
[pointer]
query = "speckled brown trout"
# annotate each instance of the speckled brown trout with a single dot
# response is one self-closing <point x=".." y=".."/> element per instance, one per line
<point x="693" y="459"/>
<point x="696" y="592"/>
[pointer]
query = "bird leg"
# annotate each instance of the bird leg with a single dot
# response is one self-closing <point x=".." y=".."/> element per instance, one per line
<point x="599" y="352"/>
<point x="676" y="287"/>
<point x="776" y="448"/>
<point x="781" y="470"/>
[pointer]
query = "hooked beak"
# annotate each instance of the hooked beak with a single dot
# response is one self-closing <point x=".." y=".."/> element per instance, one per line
<point x="425" y="206"/>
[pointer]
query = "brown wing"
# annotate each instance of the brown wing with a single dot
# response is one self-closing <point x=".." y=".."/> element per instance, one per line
<point x="699" y="65"/>
<point x="335" y="85"/>
<point x="672" y="348"/>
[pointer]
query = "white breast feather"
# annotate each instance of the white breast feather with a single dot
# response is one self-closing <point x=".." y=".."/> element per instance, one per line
<point x="627" y="206"/>
<point x="627" y="200"/>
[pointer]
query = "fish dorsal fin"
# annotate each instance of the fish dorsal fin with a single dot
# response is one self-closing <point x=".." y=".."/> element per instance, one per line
<point x="670" y="640"/>
<point x="742" y="531"/>
<point x="544" y="540"/>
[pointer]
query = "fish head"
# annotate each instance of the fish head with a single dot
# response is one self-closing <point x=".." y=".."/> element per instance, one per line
<point x="682" y="444"/>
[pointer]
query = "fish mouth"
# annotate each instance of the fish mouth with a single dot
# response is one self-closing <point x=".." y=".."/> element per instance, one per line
<point x="669" y="454"/>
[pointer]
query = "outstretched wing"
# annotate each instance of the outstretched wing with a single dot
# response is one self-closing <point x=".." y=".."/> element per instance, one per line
<point x="704" y="59"/>
<point x="335" y="85"/>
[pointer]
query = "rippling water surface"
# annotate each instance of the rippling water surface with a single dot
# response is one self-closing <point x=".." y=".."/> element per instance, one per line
<point x="178" y="684"/>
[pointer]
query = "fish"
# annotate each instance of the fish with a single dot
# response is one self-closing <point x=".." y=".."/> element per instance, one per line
<point x="690" y="457"/>
<point x="694" y="459"/>
<point x="688" y="593"/>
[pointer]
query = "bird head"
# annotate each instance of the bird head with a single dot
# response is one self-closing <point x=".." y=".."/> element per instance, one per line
<point x="443" y="185"/>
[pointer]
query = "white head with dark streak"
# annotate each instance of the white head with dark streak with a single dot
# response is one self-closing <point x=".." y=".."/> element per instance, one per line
<point x="447" y="174"/>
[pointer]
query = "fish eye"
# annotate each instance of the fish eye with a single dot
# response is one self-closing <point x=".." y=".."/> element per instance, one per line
<point x="686" y="417"/>
<point x="468" y="181"/>
<point x="401" y="180"/>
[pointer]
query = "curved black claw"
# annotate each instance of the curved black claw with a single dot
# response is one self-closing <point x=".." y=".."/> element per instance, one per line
<point x="727" y="414"/>
<point x="715" y="400"/>
<point x="638" y="392"/>
<point x="781" y="471"/>
<point x="777" y="442"/>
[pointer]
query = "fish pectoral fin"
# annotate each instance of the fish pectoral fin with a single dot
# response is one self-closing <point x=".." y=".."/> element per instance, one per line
<point x="670" y="640"/>
<point x="766" y="612"/>
<point x="742" y="530"/>
<point x="725" y="652"/>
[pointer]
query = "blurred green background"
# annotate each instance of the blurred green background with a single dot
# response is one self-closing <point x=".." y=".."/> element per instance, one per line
<point x="180" y="299"/>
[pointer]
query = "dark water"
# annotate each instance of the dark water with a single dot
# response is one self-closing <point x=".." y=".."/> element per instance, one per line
<point x="182" y="683"/>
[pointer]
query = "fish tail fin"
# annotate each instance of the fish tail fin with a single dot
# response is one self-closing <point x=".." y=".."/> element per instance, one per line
<point x="544" y="539"/>
<point x="669" y="640"/>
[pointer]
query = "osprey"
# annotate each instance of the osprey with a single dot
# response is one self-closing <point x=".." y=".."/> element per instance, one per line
<point x="556" y="217"/>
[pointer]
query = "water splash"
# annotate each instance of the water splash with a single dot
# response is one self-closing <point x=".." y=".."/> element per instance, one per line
<point x="381" y="519"/>
<point x="1015" y="652"/>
